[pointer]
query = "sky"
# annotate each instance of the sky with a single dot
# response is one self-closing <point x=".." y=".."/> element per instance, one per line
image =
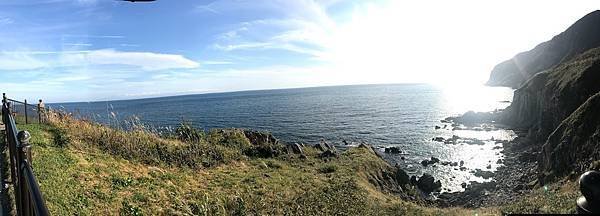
<point x="90" y="50"/>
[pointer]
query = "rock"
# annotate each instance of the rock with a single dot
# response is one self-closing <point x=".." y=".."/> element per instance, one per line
<point x="401" y="176"/>
<point x="438" y="139"/>
<point x="445" y="163"/>
<point x="532" y="184"/>
<point x="393" y="150"/>
<point x="297" y="149"/>
<point x="527" y="157"/>
<point x="437" y="127"/>
<point x="322" y="146"/>
<point x="428" y="184"/>
<point x="454" y="164"/>
<point x="470" y="118"/>
<point x="463" y="185"/>
<point x="260" y="138"/>
<point x="345" y="142"/>
<point x="413" y="180"/>
<point x="474" y="142"/>
<point x="518" y="187"/>
<point x="499" y="161"/>
<point x="263" y="144"/>
<point x="402" y="158"/>
<point x="328" y="153"/>
<point x="488" y="166"/>
<point x="483" y="174"/>
<point x="463" y="168"/>
<point x="430" y="162"/>
<point x="327" y="149"/>
<point x="462" y="163"/>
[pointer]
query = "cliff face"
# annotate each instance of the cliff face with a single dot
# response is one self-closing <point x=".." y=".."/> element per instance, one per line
<point x="546" y="99"/>
<point x="560" y="108"/>
<point x="575" y="143"/>
<point x="581" y="36"/>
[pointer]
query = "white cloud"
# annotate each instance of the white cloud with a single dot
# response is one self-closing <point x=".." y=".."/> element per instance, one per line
<point x="216" y="62"/>
<point x="304" y="27"/>
<point x="148" y="61"/>
<point x="144" y="60"/>
<point x="19" y="61"/>
<point x="242" y="46"/>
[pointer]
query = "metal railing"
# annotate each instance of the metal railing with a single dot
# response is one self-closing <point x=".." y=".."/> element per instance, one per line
<point x="27" y="195"/>
<point x="29" y="113"/>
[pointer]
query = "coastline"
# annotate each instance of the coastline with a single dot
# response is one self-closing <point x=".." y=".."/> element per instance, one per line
<point x="517" y="176"/>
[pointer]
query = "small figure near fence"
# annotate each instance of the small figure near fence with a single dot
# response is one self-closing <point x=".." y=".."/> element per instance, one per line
<point x="41" y="111"/>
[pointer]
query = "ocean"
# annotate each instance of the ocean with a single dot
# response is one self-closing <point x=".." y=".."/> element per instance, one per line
<point x="401" y="115"/>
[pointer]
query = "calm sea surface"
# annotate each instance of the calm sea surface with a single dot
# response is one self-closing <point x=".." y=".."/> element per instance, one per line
<point x="403" y="115"/>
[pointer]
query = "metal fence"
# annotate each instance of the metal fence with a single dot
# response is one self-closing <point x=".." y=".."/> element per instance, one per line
<point x="28" y="198"/>
<point x="24" y="111"/>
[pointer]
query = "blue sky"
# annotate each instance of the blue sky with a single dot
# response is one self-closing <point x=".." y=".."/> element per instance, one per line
<point x="83" y="50"/>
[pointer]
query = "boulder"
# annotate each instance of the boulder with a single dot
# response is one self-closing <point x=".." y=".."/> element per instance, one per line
<point x="263" y="144"/>
<point x="328" y="153"/>
<point x="297" y="149"/>
<point x="428" y="184"/>
<point x="401" y="176"/>
<point x="483" y="174"/>
<point x="438" y="139"/>
<point x="413" y="180"/>
<point x="393" y="150"/>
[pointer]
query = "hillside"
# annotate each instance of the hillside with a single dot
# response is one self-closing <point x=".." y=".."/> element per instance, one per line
<point x="575" y="144"/>
<point x="578" y="38"/>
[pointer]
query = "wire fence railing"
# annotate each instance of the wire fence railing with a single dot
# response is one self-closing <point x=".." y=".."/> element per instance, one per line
<point x="28" y="199"/>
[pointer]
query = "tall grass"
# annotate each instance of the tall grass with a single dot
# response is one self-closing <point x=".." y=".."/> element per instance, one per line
<point x="186" y="146"/>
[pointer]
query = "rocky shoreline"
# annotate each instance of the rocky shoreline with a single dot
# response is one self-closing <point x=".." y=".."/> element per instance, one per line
<point x="517" y="176"/>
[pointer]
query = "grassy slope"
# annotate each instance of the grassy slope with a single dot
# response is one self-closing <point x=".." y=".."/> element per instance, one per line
<point x="83" y="179"/>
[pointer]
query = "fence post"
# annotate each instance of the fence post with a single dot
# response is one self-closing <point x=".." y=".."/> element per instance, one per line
<point x="25" y="160"/>
<point x="41" y="110"/>
<point x="589" y="184"/>
<point x="25" y="108"/>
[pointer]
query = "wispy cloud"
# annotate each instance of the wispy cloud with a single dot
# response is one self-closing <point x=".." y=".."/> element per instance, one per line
<point x="217" y="62"/>
<point x="6" y="21"/>
<point x="93" y="36"/>
<point x="207" y="8"/>
<point x="306" y="30"/>
<point x="129" y="45"/>
<point x="148" y="61"/>
<point x="19" y="61"/>
<point x="242" y="46"/>
<point x="77" y="44"/>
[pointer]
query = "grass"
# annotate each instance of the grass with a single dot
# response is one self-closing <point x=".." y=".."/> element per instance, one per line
<point x="81" y="172"/>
